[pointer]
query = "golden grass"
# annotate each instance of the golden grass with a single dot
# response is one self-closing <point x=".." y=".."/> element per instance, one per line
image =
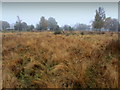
<point x="45" y="60"/>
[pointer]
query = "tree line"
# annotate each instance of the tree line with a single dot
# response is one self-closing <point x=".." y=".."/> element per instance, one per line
<point x="100" y="22"/>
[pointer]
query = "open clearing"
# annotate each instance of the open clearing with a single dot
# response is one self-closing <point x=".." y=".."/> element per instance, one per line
<point x="45" y="60"/>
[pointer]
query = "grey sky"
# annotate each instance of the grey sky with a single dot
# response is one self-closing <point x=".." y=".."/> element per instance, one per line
<point x="0" y="10"/>
<point x="64" y="13"/>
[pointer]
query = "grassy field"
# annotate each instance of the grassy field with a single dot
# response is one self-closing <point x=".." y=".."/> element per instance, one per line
<point x="69" y="60"/>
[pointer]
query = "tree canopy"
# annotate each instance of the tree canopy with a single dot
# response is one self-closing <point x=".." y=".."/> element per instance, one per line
<point x="100" y="16"/>
<point x="4" y="25"/>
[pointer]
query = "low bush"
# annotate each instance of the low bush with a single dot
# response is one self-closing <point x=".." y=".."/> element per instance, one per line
<point x="57" y="32"/>
<point x="82" y="33"/>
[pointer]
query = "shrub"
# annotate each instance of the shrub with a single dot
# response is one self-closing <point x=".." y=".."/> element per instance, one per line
<point x="57" y="32"/>
<point x="82" y="33"/>
<point x="102" y="32"/>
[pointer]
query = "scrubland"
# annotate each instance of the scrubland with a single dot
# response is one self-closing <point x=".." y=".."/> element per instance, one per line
<point x="46" y="60"/>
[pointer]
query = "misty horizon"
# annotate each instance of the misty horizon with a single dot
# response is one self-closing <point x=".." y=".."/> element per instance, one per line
<point x="64" y="13"/>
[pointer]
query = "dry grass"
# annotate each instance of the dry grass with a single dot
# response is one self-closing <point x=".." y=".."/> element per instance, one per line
<point x="45" y="60"/>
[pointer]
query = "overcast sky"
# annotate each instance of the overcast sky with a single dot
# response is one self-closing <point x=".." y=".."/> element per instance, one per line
<point x="64" y="13"/>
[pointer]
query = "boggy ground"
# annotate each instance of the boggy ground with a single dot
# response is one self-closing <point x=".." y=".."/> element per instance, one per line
<point x="45" y="60"/>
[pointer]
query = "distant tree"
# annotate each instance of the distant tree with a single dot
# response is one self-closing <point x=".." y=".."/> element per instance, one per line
<point x="4" y="25"/>
<point x="111" y="24"/>
<point x="67" y="27"/>
<point x="71" y="28"/>
<point x="52" y="24"/>
<point x="37" y="27"/>
<point x="30" y="27"/>
<point x="61" y="28"/>
<point x="98" y="22"/>
<point x="81" y="27"/>
<point x="43" y="24"/>
<point x="24" y="25"/>
<point x="20" y="26"/>
<point x="119" y="27"/>
<point x="58" y="28"/>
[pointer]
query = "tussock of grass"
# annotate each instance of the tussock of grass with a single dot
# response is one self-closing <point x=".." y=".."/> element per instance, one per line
<point x="45" y="60"/>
